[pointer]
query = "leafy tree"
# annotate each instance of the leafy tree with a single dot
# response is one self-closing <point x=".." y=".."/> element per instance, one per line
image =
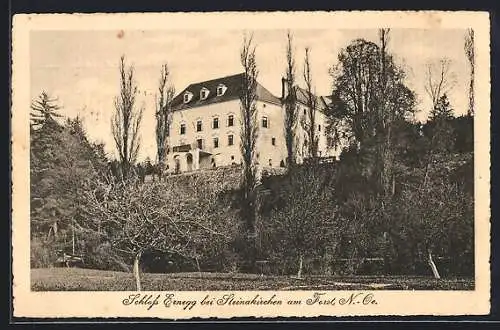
<point x="464" y="133"/>
<point x="442" y="110"/>
<point x="369" y="97"/>
<point x="44" y="109"/>
<point x="439" y="128"/>
<point x="359" y="104"/>
<point x="62" y="163"/>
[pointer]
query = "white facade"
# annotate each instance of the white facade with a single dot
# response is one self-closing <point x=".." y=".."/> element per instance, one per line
<point x="216" y="129"/>
<point x="206" y="133"/>
<point x="302" y="139"/>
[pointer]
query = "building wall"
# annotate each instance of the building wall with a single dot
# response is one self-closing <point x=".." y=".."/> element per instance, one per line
<point x="225" y="154"/>
<point x="301" y="136"/>
<point x="269" y="155"/>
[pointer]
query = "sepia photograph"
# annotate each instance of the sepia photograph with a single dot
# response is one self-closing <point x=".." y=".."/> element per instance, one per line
<point x="240" y="163"/>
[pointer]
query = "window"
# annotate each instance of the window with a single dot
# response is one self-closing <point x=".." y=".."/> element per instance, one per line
<point x="198" y="126"/>
<point x="232" y="157"/>
<point x="199" y="142"/>
<point x="270" y="163"/>
<point x="216" y="142"/>
<point x="230" y="120"/>
<point x="183" y="129"/>
<point x="215" y="123"/>
<point x="230" y="140"/>
<point x="319" y="128"/>
<point x="186" y="98"/>
<point x="265" y="122"/>
<point x="221" y="89"/>
<point x="203" y="93"/>
<point x="273" y="141"/>
<point x="305" y="111"/>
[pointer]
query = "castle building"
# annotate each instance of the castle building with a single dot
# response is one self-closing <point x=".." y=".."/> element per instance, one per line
<point x="206" y="120"/>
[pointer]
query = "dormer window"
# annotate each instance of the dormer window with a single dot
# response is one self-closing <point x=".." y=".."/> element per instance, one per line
<point x="187" y="97"/>
<point x="221" y="89"/>
<point x="204" y="93"/>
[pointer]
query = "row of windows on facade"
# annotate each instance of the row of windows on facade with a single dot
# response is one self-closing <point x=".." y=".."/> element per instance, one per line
<point x="215" y="124"/>
<point x="221" y="89"/>
<point x="230" y="141"/>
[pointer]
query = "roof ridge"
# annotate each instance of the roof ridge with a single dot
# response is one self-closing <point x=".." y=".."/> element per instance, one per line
<point x="215" y="79"/>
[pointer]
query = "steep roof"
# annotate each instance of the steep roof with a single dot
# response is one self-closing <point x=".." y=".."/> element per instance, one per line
<point x="233" y="84"/>
<point x="302" y="97"/>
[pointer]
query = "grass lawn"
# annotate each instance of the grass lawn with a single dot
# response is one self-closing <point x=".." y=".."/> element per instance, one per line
<point x="77" y="279"/>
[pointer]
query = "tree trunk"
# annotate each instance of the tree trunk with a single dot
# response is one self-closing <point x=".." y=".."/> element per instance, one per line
<point x="54" y="228"/>
<point x="198" y="264"/>
<point x="426" y="175"/>
<point x="433" y="266"/>
<point x="73" y="235"/>
<point x="136" y="271"/>
<point x="301" y="262"/>
<point x="393" y="191"/>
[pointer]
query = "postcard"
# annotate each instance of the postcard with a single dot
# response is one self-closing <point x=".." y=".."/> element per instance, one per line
<point x="251" y="164"/>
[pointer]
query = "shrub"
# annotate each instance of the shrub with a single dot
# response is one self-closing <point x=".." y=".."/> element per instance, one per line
<point x="41" y="254"/>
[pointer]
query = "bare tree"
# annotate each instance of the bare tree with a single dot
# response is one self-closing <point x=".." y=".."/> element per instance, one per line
<point x="163" y="115"/>
<point x="126" y="120"/>
<point x="385" y="121"/>
<point x="439" y="79"/>
<point x="290" y="98"/>
<point x="248" y="97"/>
<point x="158" y="217"/>
<point x="305" y="221"/>
<point x="310" y="123"/>
<point x="469" y="52"/>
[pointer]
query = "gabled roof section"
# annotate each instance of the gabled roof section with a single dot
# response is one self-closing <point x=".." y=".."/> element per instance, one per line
<point x="233" y="85"/>
<point x="302" y="97"/>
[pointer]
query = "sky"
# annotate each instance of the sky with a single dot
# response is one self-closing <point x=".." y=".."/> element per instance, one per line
<point x="80" y="68"/>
